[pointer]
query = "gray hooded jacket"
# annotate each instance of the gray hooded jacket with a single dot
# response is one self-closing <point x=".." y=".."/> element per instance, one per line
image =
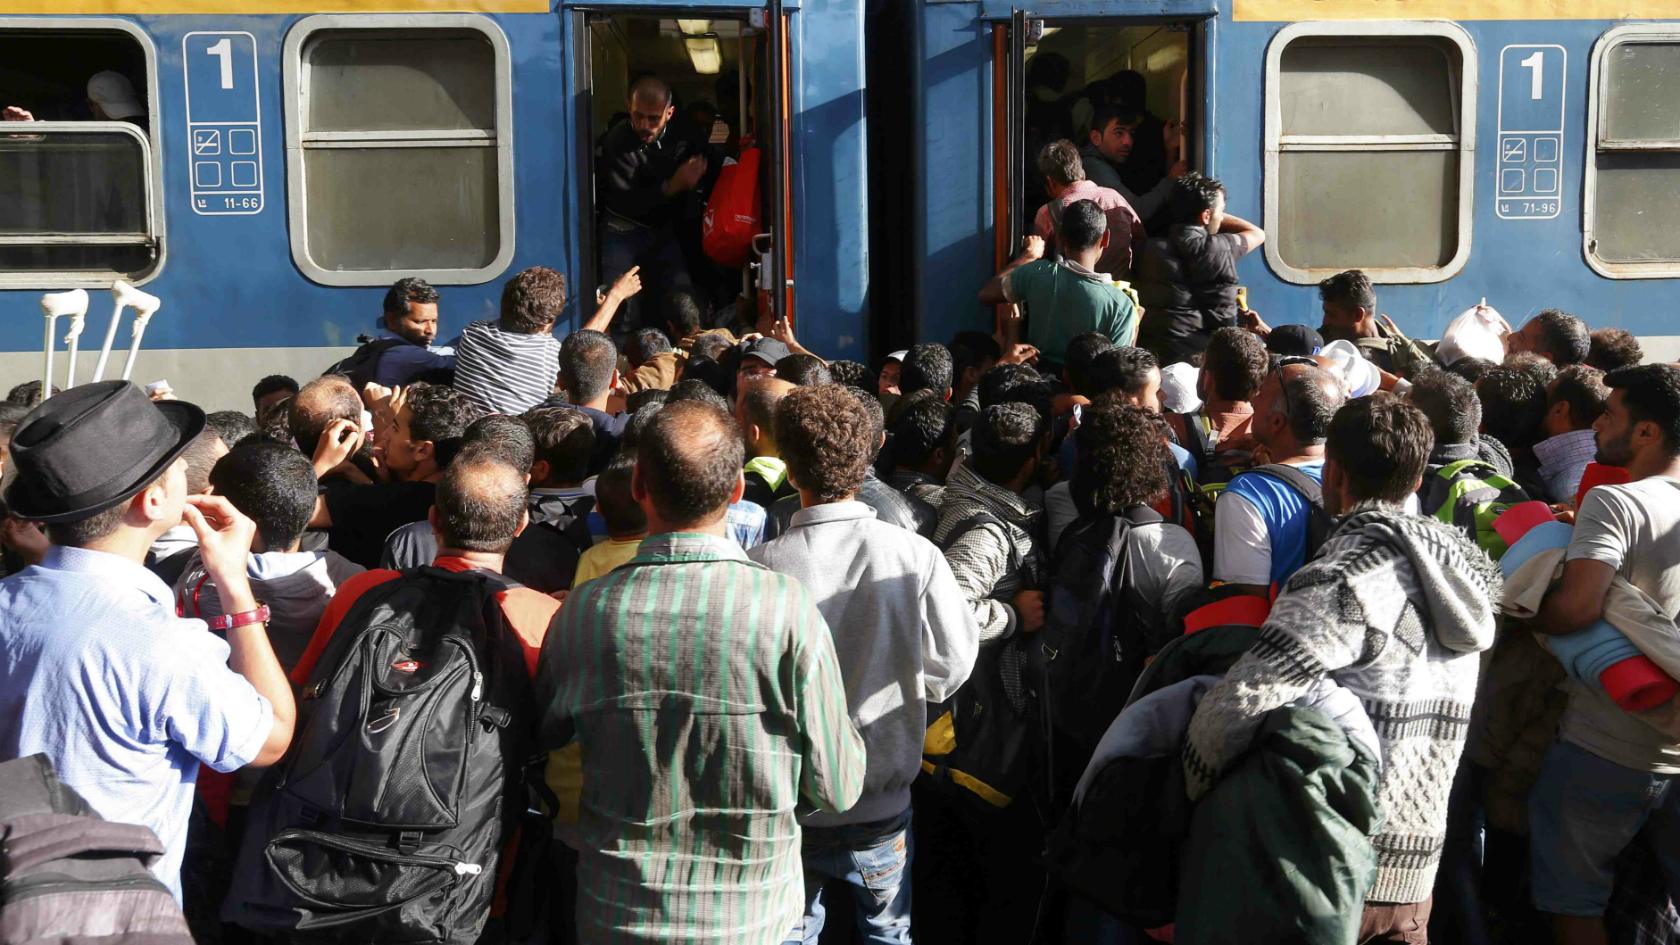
<point x="1394" y="609"/>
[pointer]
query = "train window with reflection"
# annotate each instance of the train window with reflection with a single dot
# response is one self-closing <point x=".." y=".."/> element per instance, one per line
<point x="1369" y="154"/>
<point x="79" y="194"/>
<point x="399" y="148"/>
<point x="1633" y="172"/>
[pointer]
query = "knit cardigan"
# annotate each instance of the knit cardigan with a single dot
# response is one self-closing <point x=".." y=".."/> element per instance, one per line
<point x="1395" y="609"/>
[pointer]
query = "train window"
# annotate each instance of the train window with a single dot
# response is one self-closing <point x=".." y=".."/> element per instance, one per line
<point x="1634" y="170"/>
<point x="399" y="148"/>
<point x="1368" y="150"/>
<point x="79" y="187"/>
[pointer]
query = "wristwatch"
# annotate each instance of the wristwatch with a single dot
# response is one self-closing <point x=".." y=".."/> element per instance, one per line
<point x="228" y="622"/>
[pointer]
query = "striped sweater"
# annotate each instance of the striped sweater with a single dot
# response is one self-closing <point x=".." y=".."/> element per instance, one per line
<point x="1395" y="609"/>
<point x="505" y="372"/>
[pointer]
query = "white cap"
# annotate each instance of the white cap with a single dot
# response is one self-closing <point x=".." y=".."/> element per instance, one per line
<point x="1359" y="376"/>
<point x="114" y="95"/>
<point x="898" y="355"/>
<point x="1178" y="387"/>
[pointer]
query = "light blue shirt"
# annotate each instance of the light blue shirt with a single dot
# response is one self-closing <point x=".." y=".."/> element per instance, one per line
<point x="124" y="698"/>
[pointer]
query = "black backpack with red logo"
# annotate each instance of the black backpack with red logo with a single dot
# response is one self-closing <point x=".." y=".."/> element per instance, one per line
<point x="385" y="820"/>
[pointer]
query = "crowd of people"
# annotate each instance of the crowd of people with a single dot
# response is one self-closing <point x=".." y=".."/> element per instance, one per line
<point x="1045" y="634"/>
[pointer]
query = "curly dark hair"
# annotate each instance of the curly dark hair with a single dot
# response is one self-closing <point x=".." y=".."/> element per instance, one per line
<point x="441" y="414"/>
<point x="826" y="441"/>
<point x="1613" y="348"/>
<point x="1005" y="436"/>
<point x="532" y="300"/>
<point x="852" y="374"/>
<point x="1016" y="383"/>
<point x="927" y="366"/>
<point x="565" y="439"/>
<point x="1122" y="457"/>
<point x="922" y="426"/>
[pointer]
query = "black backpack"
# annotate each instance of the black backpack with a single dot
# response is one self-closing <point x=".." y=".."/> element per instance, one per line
<point x="1096" y="633"/>
<point x="386" y="819"/>
<point x="1320" y="523"/>
<point x="362" y="364"/>
<point x="67" y="875"/>
<point x="986" y="741"/>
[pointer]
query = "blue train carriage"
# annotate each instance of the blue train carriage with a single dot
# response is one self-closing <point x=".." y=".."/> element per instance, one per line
<point x="278" y="168"/>
<point x="1523" y="151"/>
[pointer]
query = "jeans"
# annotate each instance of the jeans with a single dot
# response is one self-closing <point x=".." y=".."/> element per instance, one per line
<point x="873" y="860"/>
<point x="659" y="254"/>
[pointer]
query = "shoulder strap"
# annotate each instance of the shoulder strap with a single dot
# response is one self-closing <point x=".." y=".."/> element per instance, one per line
<point x="1309" y="488"/>
<point x="1142" y="515"/>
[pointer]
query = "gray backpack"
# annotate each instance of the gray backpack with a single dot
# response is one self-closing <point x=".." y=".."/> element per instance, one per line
<point x="67" y="875"/>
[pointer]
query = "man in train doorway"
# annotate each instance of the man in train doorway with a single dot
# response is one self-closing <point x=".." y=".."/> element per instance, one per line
<point x="649" y="168"/>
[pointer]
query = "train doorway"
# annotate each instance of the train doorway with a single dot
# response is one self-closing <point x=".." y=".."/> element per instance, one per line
<point x="1086" y="81"/>
<point x="727" y="77"/>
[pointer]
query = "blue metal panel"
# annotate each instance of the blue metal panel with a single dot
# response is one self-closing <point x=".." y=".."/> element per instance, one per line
<point x="954" y="122"/>
<point x="230" y="282"/>
<point x="1519" y="266"/>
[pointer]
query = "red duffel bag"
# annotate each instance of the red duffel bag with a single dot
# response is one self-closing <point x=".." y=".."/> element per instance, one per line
<point x="732" y="215"/>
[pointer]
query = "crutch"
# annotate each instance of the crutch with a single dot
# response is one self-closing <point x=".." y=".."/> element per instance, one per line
<point x="73" y="303"/>
<point x="144" y="305"/>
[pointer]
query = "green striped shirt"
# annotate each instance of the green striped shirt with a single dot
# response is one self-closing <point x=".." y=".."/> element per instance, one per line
<point x="704" y="693"/>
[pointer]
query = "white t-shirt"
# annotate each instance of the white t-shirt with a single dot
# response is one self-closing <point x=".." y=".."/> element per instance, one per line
<point x="1634" y="528"/>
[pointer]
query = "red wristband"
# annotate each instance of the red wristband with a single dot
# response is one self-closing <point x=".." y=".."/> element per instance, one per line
<point x="230" y="621"/>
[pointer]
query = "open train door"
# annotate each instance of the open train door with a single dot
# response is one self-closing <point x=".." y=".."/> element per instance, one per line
<point x="1009" y="45"/>
<point x="732" y="63"/>
<point x="776" y="276"/>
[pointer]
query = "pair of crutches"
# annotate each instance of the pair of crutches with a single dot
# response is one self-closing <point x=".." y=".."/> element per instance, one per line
<point x="74" y="305"/>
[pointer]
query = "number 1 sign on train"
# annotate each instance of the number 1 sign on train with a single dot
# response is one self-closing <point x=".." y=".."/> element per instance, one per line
<point x="1530" y="156"/>
<point x="224" y="124"/>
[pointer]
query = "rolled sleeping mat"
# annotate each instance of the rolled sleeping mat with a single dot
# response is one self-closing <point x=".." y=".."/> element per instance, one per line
<point x="1600" y="653"/>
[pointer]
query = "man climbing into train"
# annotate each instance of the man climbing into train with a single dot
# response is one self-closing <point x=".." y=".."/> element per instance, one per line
<point x="648" y="167"/>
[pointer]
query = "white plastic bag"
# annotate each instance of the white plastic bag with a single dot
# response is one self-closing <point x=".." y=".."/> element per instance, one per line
<point x="1477" y="332"/>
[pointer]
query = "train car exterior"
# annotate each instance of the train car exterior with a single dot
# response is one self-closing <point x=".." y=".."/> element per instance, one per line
<point x="1519" y="151"/>
<point x="464" y="178"/>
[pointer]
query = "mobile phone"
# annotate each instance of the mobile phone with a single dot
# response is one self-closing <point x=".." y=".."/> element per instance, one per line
<point x="1242" y="297"/>
<point x="158" y="387"/>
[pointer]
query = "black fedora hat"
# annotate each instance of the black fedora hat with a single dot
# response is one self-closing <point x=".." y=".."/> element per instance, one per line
<point x="93" y="446"/>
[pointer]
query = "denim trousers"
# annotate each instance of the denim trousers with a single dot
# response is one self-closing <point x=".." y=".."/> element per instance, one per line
<point x="873" y="862"/>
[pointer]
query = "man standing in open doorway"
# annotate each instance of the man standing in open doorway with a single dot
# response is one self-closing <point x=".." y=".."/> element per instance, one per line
<point x="648" y="167"/>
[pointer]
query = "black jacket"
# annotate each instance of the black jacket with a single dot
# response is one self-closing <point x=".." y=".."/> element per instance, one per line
<point x="632" y="174"/>
<point x="1186" y="280"/>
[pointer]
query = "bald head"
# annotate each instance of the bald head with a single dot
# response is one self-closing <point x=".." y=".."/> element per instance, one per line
<point x="755" y="411"/>
<point x="317" y="405"/>
<point x="688" y="466"/>
<point x="1297" y="402"/>
<point x="650" y="107"/>
<point x="480" y="503"/>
